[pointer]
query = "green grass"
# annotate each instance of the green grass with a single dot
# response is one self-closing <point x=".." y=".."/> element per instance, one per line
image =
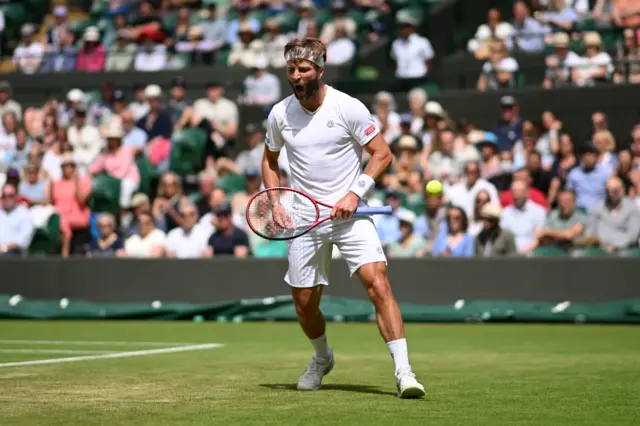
<point x="474" y="375"/>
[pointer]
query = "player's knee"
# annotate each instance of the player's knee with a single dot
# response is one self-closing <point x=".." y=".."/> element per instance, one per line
<point x="379" y="289"/>
<point x="306" y="310"/>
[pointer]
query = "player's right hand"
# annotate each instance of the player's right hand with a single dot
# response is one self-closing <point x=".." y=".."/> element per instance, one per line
<point x="281" y="218"/>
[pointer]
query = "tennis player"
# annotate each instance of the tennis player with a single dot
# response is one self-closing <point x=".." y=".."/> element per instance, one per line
<point x="324" y="132"/>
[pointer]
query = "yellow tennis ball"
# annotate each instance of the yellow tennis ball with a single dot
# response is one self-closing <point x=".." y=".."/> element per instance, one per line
<point x="434" y="187"/>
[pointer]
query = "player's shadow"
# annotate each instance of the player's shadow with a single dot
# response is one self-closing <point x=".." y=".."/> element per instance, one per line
<point x="331" y="386"/>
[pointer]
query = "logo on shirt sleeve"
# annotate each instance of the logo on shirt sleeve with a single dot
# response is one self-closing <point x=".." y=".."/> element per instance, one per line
<point x="370" y="130"/>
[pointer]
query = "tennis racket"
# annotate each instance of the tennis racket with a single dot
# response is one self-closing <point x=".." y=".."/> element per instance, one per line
<point x="286" y="213"/>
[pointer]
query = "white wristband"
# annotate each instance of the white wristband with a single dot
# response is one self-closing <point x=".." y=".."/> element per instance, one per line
<point x="362" y="185"/>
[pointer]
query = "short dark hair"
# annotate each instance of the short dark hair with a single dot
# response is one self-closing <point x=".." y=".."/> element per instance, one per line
<point x="463" y="214"/>
<point x="536" y="153"/>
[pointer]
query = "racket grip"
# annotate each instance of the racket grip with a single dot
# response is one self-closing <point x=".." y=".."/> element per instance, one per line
<point x="364" y="211"/>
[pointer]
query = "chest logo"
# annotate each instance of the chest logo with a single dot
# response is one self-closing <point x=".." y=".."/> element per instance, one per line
<point x="330" y="124"/>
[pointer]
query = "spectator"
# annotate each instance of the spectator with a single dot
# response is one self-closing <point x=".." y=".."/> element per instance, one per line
<point x="187" y="241"/>
<point x="388" y="226"/>
<point x="227" y="240"/>
<point x="157" y="123"/>
<point x="199" y="50"/>
<point x="261" y="87"/>
<point x="524" y="218"/>
<point x="69" y="195"/>
<point x="177" y="98"/>
<point x="49" y="131"/>
<point x="242" y="24"/>
<point x="241" y="199"/>
<point x="528" y="33"/>
<point x="35" y="189"/>
<point x="606" y="144"/>
<point x="417" y="98"/>
<point x="274" y="43"/>
<point x="339" y="10"/>
<point x="341" y="50"/>
<point x="559" y="17"/>
<point x="627" y="176"/>
<point x="118" y="162"/>
<point x="615" y="221"/>
<point x="549" y="142"/>
<point x="180" y="31"/>
<point x="563" y="225"/>
<point x="500" y="71"/>
<point x="476" y="220"/>
<point x="167" y="203"/>
<point x="561" y="64"/>
<point x="209" y="220"/>
<point x="28" y="55"/>
<point x="385" y="115"/>
<point x="534" y="194"/>
<point x="565" y="161"/>
<point x="19" y="155"/>
<point x="247" y="49"/>
<point x="148" y="241"/>
<point x="147" y="21"/>
<point x="540" y="178"/>
<point x="139" y="204"/>
<point x="306" y="10"/>
<point x="108" y="243"/>
<point x="75" y="99"/>
<point x="454" y="239"/>
<point x="52" y="159"/>
<point x="251" y="158"/>
<point x="494" y="29"/>
<point x="221" y="112"/>
<point x="409" y="244"/>
<point x="57" y="31"/>
<point x="490" y="163"/>
<point x="596" y="66"/>
<point x="491" y="239"/>
<point x="140" y="106"/>
<point x="214" y="27"/>
<point x="8" y="140"/>
<point x="406" y="171"/>
<point x="16" y="225"/>
<point x="92" y="56"/>
<point x="509" y="129"/>
<point x="117" y="27"/>
<point x="85" y="140"/>
<point x="207" y="182"/>
<point x="412" y="53"/>
<point x="7" y="103"/>
<point x="588" y="181"/>
<point x="429" y="223"/>
<point x="444" y="163"/>
<point x="463" y="193"/>
<point x="120" y="55"/>
<point x="628" y="59"/>
<point x="134" y="137"/>
<point x="151" y="56"/>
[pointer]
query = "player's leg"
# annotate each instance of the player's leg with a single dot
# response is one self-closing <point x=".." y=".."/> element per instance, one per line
<point x="361" y="248"/>
<point x="309" y="261"/>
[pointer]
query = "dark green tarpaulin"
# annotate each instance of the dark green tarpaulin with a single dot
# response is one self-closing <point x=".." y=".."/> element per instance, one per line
<point x="335" y="309"/>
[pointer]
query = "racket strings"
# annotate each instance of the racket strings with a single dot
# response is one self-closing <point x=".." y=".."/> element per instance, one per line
<point x="281" y="213"/>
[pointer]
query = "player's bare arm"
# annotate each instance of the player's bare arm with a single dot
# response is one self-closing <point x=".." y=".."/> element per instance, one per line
<point x="381" y="159"/>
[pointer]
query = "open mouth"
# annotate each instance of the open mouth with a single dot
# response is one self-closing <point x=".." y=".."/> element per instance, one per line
<point x="299" y="88"/>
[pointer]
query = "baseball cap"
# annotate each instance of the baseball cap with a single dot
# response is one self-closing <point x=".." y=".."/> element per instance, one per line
<point x="13" y="174"/>
<point x="508" y="101"/>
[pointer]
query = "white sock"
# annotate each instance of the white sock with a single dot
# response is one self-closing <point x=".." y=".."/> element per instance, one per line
<point x="321" y="346"/>
<point x="399" y="353"/>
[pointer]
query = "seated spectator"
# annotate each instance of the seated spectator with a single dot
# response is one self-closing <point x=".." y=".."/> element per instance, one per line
<point x="405" y="175"/>
<point x="500" y="71"/>
<point x="454" y="238"/>
<point x="60" y="26"/>
<point x="139" y="204"/>
<point x="180" y="31"/>
<point x="8" y="135"/>
<point x="242" y="23"/>
<point x="108" y="244"/>
<point x="61" y="57"/>
<point x="589" y="180"/>
<point x="35" y="190"/>
<point x="428" y="224"/>
<point x="606" y="144"/>
<point x="166" y="205"/>
<point x="565" y="161"/>
<point x="596" y="66"/>
<point x="207" y="180"/>
<point x="524" y="218"/>
<point x="561" y="64"/>
<point x="85" y="139"/>
<point x="187" y="241"/>
<point x="140" y="106"/>
<point x="306" y="12"/>
<point x="219" y="111"/>
<point x="388" y="226"/>
<point x="509" y="128"/>
<point x="208" y="220"/>
<point x="629" y="178"/>
<point x="69" y="195"/>
<point x="200" y="50"/>
<point x="158" y="127"/>
<point x="274" y="43"/>
<point x="339" y="9"/>
<point x="495" y="28"/>
<point x="463" y="193"/>
<point x="92" y="55"/>
<point x="118" y="162"/>
<point x="148" y="241"/>
<point x="251" y="158"/>
<point x="490" y="163"/>
<point x="7" y="103"/>
<point x="19" y="155"/>
<point x="628" y="59"/>
<point x="533" y="194"/>
<point x="341" y="49"/>
<point x="27" y="56"/>
<point x="214" y="26"/>
<point x="492" y="240"/>
<point x="549" y="142"/>
<point x="245" y="51"/>
<point x="120" y="54"/>
<point x="444" y="163"/>
<point x="559" y="16"/>
<point x="526" y="145"/>
<point x="540" y="178"/>
<point x="118" y="25"/>
<point x="528" y="33"/>
<point x="476" y="220"/>
<point x="615" y="221"/>
<point x="261" y="87"/>
<point x="227" y="240"/>
<point x="134" y="137"/>
<point x="386" y="116"/>
<point x="417" y="99"/>
<point x="564" y="224"/>
<point x="16" y="225"/>
<point x="151" y="56"/>
<point x="409" y="244"/>
<point x="241" y="199"/>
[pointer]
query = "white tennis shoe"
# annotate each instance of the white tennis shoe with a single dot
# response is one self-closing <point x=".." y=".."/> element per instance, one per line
<point x="311" y="379"/>
<point x="408" y="386"/>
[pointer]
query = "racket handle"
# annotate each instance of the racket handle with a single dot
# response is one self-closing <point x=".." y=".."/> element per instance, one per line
<point x="364" y="211"/>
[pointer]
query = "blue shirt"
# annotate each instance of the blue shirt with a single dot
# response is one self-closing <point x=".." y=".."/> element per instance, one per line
<point x="388" y="227"/>
<point x="508" y="134"/>
<point x="588" y="186"/>
<point x="223" y="244"/>
<point x="135" y="138"/>
<point x="463" y="249"/>
<point x="234" y="26"/>
<point x="16" y="227"/>
<point x="530" y="35"/>
<point x="523" y="223"/>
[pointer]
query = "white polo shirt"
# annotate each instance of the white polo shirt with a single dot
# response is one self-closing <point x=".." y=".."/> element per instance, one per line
<point x="187" y="245"/>
<point x="411" y="56"/>
<point x="136" y="246"/>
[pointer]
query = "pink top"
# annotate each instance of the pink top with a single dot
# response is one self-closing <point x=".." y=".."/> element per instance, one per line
<point x="65" y="202"/>
<point x="92" y="61"/>
<point x="120" y="165"/>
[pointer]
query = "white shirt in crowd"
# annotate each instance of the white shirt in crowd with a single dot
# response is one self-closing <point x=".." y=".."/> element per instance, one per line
<point x="206" y="223"/>
<point x="340" y="51"/>
<point x="153" y="60"/>
<point x="411" y="56"/>
<point x="27" y="58"/>
<point x="263" y="90"/>
<point x="223" y="111"/>
<point x="461" y="195"/>
<point x="139" y="109"/>
<point x="588" y="67"/>
<point x="580" y="6"/>
<point x="505" y="65"/>
<point x="87" y="143"/>
<point x="52" y="164"/>
<point x="187" y="245"/>
<point x="137" y="246"/>
<point x="324" y="148"/>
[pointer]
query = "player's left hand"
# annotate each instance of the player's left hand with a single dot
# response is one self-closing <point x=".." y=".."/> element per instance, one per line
<point x="345" y="208"/>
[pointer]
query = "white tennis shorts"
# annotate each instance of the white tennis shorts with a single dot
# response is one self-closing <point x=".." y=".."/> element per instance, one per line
<point x="310" y="255"/>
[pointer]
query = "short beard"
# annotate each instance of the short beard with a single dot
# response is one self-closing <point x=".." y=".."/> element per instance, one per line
<point x="311" y="90"/>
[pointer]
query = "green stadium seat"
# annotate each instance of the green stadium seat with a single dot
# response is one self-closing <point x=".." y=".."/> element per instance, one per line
<point x="147" y="172"/>
<point x="359" y="18"/>
<point x="105" y="194"/>
<point x="232" y="184"/>
<point x="99" y="10"/>
<point x="187" y="150"/>
<point x="323" y="16"/>
<point x="222" y="55"/>
<point x="169" y="23"/>
<point x="631" y="252"/>
<point x="46" y="240"/>
<point x="548" y="251"/>
<point x="590" y="252"/>
<point x="415" y="203"/>
<point x="288" y="21"/>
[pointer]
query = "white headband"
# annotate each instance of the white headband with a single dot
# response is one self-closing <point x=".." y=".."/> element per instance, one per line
<point x="291" y="55"/>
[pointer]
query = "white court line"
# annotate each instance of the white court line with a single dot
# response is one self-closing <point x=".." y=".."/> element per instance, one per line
<point x="51" y="351"/>
<point x="90" y="342"/>
<point x="114" y="355"/>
